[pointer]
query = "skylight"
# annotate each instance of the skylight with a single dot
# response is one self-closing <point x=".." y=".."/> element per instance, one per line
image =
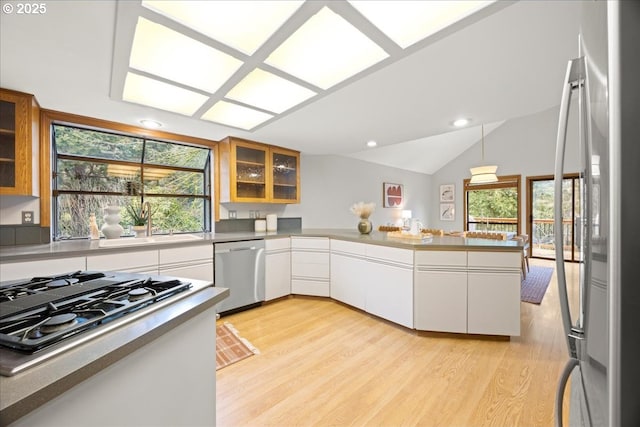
<point x="235" y="115"/>
<point x="407" y="22"/>
<point x="154" y="93"/>
<point x="243" y="25"/>
<point x="326" y="50"/>
<point x="166" y="53"/>
<point x="253" y="60"/>
<point x="269" y="92"/>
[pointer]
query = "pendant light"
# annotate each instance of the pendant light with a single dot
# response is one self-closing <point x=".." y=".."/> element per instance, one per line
<point x="483" y="174"/>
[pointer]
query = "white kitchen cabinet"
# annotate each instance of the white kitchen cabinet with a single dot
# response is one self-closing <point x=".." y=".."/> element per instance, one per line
<point x="310" y="266"/>
<point x="145" y="262"/>
<point x="348" y="273"/>
<point x="189" y="262"/>
<point x="389" y="287"/>
<point x="440" y="293"/>
<point x="277" y="268"/>
<point x="440" y="301"/>
<point x="44" y="267"/>
<point x="493" y="293"/>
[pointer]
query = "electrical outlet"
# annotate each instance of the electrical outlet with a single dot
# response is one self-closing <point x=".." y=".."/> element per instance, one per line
<point x="27" y="217"/>
<point x="232" y="214"/>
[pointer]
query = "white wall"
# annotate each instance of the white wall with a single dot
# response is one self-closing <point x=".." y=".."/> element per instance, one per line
<point x="524" y="146"/>
<point x="331" y="184"/>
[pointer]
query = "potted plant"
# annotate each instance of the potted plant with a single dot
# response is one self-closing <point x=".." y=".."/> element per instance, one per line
<point x="139" y="217"/>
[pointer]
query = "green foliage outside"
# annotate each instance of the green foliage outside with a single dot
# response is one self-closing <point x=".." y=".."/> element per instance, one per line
<point x="495" y="205"/>
<point x="163" y="187"/>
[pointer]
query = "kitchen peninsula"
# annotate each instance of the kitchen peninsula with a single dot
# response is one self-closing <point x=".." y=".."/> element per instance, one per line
<point x="439" y="284"/>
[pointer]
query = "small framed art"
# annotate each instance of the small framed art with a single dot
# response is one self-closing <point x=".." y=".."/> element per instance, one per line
<point x="447" y="192"/>
<point x="392" y="195"/>
<point x="447" y="211"/>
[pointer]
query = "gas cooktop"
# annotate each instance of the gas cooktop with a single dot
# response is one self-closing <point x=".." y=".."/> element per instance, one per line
<point x="40" y="312"/>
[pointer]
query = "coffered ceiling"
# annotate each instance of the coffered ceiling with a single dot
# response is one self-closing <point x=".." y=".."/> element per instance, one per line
<point x="501" y="62"/>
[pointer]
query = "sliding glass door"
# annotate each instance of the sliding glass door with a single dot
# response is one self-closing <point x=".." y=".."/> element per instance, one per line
<point x="540" y="216"/>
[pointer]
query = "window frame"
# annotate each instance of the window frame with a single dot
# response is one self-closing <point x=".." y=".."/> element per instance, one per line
<point x="49" y="118"/>
<point x="504" y="181"/>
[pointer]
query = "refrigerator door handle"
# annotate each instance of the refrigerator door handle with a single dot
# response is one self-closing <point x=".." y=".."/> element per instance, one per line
<point x="573" y="79"/>
<point x="562" y="385"/>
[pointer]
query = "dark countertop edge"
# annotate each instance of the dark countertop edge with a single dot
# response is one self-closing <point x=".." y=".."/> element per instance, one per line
<point x="39" y="394"/>
<point x="63" y="249"/>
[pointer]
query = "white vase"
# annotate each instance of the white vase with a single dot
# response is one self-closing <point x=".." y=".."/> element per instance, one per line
<point x="111" y="227"/>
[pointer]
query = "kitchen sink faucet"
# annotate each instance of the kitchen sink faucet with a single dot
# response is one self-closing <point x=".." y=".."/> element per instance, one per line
<point x="146" y="207"/>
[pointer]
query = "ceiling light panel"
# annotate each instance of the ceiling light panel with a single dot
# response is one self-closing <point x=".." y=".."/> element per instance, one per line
<point x="163" y="52"/>
<point x="269" y="92"/>
<point x="157" y="94"/>
<point x="407" y="22"/>
<point x="235" y="115"/>
<point x="243" y="25"/>
<point x="326" y="50"/>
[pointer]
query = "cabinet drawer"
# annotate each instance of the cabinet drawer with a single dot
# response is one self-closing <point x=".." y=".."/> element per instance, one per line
<point x="310" y="243"/>
<point x="442" y="258"/>
<point x="277" y="244"/>
<point x="385" y="253"/>
<point x="318" y="288"/>
<point x="186" y="254"/>
<point x="44" y="267"/>
<point x="124" y="261"/>
<point x="310" y="264"/>
<point x="352" y="248"/>
<point x="494" y="259"/>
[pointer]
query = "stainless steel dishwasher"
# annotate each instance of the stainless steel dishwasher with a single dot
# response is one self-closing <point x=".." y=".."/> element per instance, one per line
<point x="239" y="266"/>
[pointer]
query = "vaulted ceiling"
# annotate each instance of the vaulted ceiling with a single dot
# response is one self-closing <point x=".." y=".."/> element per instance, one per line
<point x="503" y="62"/>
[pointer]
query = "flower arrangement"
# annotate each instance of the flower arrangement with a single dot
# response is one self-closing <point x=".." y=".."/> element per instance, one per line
<point x="363" y="210"/>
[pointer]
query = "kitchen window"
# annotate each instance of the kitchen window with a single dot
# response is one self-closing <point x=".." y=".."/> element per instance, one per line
<point x="93" y="169"/>
<point x="494" y="206"/>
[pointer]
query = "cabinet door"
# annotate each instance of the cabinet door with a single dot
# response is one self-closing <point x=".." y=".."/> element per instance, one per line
<point x="285" y="176"/>
<point x="19" y="149"/>
<point x="347" y="280"/>
<point x="494" y="303"/>
<point x="440" y="301"/>
<point x="277" y="274"/>
<point x="45" y="267"/>
<point x="249" y="170"/>
<point x="389" y="292"/>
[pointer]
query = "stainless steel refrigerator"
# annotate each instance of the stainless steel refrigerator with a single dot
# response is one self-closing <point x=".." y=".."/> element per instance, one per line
<point x="601" y="319"/>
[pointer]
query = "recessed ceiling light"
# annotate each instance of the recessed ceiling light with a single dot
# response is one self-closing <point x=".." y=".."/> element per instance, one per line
<point x="243" y="25"/>
<point x="150" y="124"/>
<point x="157" y="94"/>
<point x="235" y="115"/>
<point x="407" y="22"/>
<point x="371" y="144"/>
<point x="461" y="122"/>
<point x="163" y="52"/>
<point x="269" y="92"/>
<point x="326" y="50"/>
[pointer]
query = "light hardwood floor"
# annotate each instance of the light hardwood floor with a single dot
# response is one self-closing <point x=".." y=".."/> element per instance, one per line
<point x="325" y="364"/>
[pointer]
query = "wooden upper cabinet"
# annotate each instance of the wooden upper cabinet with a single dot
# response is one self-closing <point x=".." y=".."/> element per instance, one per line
<point x="285" y="174"/>
<point x="19" y="147"/>
<point x="252" y="172"/>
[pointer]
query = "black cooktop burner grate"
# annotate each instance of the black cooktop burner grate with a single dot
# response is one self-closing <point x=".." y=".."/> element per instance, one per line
<point x="94" y="300"/>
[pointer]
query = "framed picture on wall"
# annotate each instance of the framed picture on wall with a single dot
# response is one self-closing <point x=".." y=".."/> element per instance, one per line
<point x="392" y="195"/>
<point x="447" y="192"/>
<point x="447" y="211"/>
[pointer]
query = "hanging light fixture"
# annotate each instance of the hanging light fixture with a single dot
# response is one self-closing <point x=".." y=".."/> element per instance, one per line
<point x="483" y="174"/>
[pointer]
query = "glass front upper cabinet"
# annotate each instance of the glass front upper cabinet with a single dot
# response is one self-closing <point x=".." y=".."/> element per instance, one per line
<point x="251" y="172"/>
<point x="284" y="168"/>
<point x="19" y="150"/>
